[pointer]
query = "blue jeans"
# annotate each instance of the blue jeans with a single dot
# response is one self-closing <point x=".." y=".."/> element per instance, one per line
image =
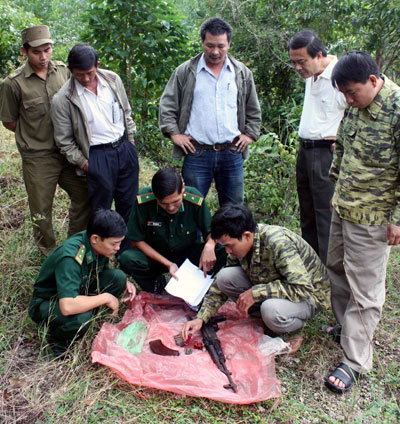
<point x="226" y="167"/>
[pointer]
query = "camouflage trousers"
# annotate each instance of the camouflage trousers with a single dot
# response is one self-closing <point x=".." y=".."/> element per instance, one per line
<point x="357" y="259"/>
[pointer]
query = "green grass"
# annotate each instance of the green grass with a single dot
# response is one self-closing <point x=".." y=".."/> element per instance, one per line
<point x="35" y="388"/>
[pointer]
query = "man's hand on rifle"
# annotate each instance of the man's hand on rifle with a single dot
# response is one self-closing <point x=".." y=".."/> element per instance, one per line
<point x="245" y="301"/>
<point x="191" y="327"/>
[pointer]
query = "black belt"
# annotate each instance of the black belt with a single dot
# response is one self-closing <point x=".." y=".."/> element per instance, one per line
<point x="218" y="147"/>
<point x="311" y="144"/>
<point x="111" y="145"/>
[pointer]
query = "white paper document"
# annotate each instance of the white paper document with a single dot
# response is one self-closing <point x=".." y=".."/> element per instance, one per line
<point x="191" y="286"/>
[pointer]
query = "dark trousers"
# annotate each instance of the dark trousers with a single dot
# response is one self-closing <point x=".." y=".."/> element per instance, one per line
<point x="315" y="191"/>
<point x="145" y="271"/>
<point x="64" y="329"/>
<point x="113" y="175"/>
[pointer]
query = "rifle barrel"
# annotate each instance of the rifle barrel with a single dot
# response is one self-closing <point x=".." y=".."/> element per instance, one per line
<point x="214" y="348"/>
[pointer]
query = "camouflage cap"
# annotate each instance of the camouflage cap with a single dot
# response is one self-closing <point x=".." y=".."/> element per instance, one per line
<point x="36" y="36"/>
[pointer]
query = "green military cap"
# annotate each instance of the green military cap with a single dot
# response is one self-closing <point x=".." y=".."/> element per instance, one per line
<point x="36" y="36"/>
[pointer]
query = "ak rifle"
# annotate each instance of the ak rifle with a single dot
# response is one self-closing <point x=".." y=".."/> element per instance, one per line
<point x="213" y="346"/>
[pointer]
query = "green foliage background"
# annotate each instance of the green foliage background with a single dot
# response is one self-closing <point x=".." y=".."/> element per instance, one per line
<point x="13" y="20"/>
<point x="144" y="40"/>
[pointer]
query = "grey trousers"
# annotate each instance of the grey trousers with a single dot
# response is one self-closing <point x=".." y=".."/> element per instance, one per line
<point x="279" y="315"/>
<point x="357" y="259"/>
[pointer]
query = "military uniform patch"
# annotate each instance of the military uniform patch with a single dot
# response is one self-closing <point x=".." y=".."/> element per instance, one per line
<point x="81" y="254"/>
<point x="193" y="198"/>
<point x="145" y="197"/>
<point x="154" y="224"/>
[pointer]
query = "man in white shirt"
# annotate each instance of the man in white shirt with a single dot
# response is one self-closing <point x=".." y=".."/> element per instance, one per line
<point x="211" y="112"/>
<point x="323" y="110"/>
<point x="94" y="129"/>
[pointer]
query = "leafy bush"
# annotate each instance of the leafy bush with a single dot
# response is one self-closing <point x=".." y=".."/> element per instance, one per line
<point x="13" y="20"/>
<point x="64" y="18"/>
<point x="142" y="41"/>
<point x="270" y="180"/>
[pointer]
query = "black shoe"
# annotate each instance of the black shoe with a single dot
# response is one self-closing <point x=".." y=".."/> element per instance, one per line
<point x="335" y="331"/>
<point x="269" y="332"/>
<point x="59" y="350"/>
<point x="255" y="311"/>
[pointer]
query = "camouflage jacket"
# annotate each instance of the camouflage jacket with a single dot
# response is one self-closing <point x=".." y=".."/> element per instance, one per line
<point x="283" y="266"/>
<point x="365" y="167"/>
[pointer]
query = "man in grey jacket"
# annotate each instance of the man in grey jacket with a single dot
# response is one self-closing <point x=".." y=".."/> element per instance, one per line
<point x="94" y="129"/>
<point x="211" y="112"/>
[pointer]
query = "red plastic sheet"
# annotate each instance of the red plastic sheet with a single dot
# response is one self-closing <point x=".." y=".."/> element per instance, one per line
<point x="242" y="340"/>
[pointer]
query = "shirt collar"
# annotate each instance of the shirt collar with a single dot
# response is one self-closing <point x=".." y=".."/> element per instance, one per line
<point x="375" y="107"/>
<point x="89" y="254"/>
<point x="327" y="73"/>
<point x="255" y="253"/>
<point x="161" y="211"/>
<point x="256" y="246"/>
<point x="100" y="84"/>
<point x="202" y="65"/>
<point x="28" y="71"/>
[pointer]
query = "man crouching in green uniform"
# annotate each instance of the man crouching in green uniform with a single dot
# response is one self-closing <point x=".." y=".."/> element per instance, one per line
<point x="75" y="280"/>
<point x="163" y="229"/>
<point x="268" y="266"/>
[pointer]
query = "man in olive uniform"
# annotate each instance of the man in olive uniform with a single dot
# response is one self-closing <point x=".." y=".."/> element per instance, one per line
<point x="268" y="266"/>
<point x="164" y="229"/>
<point x="75" y="279"/>
<point x="25" y="109"/>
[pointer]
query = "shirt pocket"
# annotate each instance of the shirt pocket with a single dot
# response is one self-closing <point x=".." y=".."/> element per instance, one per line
<point x="34" y="108"/>
<point x="378" y="155"/>
<point x="189" y="232"/>
<point x="350" y="130"/>
<point x="231" y="94"/>
<point x="328" y="107"/>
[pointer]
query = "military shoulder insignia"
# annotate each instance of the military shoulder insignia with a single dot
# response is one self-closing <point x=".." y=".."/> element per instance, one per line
<point x="193" y="198"/>
<point x="145" y="197"/>
<point x="81" y="254"/>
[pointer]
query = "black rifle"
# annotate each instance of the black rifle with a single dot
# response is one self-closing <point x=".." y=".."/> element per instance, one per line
<point x="213" y="346"/>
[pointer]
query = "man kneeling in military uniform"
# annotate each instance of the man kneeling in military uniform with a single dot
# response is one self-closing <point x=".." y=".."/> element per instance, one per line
<point x="164" y="227"/>
<point x="268" y="267"/>
<point x="75" y="280"/>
